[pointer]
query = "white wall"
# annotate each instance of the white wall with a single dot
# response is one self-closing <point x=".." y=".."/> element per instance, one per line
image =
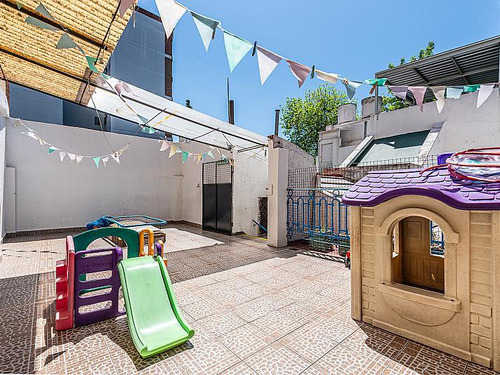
<point x="464" y="126"/>
<point x="250" y="181"/>
<point x="54" y="194"/>
<point x="45" y="193"/>
<point x="2" y="175"/>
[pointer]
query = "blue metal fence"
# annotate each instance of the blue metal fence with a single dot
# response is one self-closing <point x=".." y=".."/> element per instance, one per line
<point x="318" y="215"/>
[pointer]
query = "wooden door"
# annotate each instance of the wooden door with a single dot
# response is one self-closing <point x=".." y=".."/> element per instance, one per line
<point x="420" y="268"/>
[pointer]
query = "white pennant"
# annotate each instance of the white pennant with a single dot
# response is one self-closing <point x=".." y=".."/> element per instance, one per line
<point x="105" y="160"/>
<point x="62" y="154"/>
<point x="268" y="61"/>
<point x="71" y="157"/>
<point x="484" y="93"/>
<point x="439" y="92"/>
<point x="327" y="77"/>
<point x="78" y="159"/>
<point x="170" y="13"/>
<point x="116" y="157"/>
<point x="206" y="27"/>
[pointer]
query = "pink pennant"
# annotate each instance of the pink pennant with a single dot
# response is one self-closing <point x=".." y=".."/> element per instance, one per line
<point x="124" y="5"/>
<point x="399" y="91"/>
<point x="164" y="145"/>
<point x="418" y="93"/>
<point x="301" y="72"/>
<point x="72" y="157"/>
<point x="62" y="154"/>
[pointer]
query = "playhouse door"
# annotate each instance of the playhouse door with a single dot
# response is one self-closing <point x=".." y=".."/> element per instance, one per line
<point x="420" y="268"/>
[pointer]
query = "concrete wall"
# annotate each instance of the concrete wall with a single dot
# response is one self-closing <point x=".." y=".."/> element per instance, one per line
<point x="54" y="194"/>
<point x="464" y="126"/>
<point x="250" y="181"/>
<point x="41" y="192"/>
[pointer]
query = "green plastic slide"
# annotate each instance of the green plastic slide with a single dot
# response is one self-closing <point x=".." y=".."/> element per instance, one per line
<point x="153" y="316"/>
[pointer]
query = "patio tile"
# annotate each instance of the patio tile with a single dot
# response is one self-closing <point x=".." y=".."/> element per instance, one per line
<point x="222" y="323"/>
<point x="201" y="309"/>
<point x="240" y="369"/>
<point x="277" y="359"/>
<point x="245" y="340"/>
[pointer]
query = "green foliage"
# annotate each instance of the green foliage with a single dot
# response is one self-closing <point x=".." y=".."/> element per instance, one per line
<point x="303" y="118"/>
<point x="390" y="102"/>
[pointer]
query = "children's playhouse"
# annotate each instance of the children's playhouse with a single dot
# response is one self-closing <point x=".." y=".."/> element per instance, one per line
<point x="447" y="299"/>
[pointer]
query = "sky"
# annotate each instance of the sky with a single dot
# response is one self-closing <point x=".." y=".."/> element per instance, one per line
<point x="354" y="38"/>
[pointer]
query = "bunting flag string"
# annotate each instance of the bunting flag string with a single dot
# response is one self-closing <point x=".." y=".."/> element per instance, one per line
<point x="176" y="149"/>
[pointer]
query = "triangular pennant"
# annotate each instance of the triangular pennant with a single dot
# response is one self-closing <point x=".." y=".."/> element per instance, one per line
<point x="454" y="92"/>
<point x="327" y="77"/>
<point x="206" y="27"/>
<point x="236" y="48"/>
<point x="122" y="87"/>
<point x="105" y="160"/>
<point x="148" y="130"/>
<point x="209" y="153"/>
<point x="42" y="25"/>
<point x="143" y="119"/>
<point x="43" y="10"/>
<point x="96" y="160"/>
<point x="116" y="157"/>
<point x="164" y="145"/>
<point x="62" y="154"/>
<point x="351" y="87"/>
<point x="52" y="149"/>
<point x="438" y="92"/>
<point x="170" y="13"/>
<point x="418" y="93"/>
<point x="65" y="41"/>
<point x="78" y="159"/>
<point x="185" y="155"/>
<point x="124" y="6"/>
<point x="471" y="88"/>
<point x="91" y="63"/>
<point x="268" y="61"/>
<point x="484" y="93"/>
<point x="375" y="81"/>
<point x="198" y="158"/>
<point x="173" y="150"/>
<point x="204" y="157"/>
<point x="19" y="5"/>
<point x="399" y="91"/>
<point x="301" y="72"/>
<point x="71" y="157"/>
<point x="31" y="135"/>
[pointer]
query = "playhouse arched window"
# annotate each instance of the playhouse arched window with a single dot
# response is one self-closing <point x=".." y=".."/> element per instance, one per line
<point x="418" y="253"/>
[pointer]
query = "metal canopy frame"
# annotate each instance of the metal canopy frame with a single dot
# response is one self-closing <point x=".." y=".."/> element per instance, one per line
<point x="475" y="63"/>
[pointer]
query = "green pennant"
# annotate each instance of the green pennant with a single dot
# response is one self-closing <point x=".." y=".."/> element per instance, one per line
<point x="42" y="25"/>
<point x="206" y="27"/>
<point x="377" y="81"/>
<point x="185" y="155"/>
<point x="143" y="119"/>
<point x="236" y="48"/>
<point x="471" y="88"/>
<point x="52" y="149"/>
<point x="91" y="63"/>
<point x="96" y="160"/>
<point x="148" y="130"/>
<point x="43" y="10"/>
<point x="65" y="41"/>
<point x="209" y="153"/>
<point x="19" y="5"/>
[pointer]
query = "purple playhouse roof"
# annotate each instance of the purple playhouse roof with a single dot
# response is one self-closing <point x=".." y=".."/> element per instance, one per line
<point x="378" y="187"/>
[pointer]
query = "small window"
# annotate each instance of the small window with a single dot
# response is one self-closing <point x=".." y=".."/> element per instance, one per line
<point x="418" y="254"/>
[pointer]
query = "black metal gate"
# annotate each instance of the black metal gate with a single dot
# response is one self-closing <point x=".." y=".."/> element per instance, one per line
<point x="218" y="196"/>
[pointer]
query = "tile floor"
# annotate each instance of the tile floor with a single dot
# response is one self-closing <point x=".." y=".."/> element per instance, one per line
<point x="255" y="310"/>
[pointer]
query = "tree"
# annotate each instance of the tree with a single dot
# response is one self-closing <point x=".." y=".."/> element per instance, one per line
<point x="303" y="118"/>
<point x="390" y="102"/>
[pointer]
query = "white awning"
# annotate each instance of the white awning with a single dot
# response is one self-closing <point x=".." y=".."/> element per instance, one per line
<point x="173" y="118"/>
